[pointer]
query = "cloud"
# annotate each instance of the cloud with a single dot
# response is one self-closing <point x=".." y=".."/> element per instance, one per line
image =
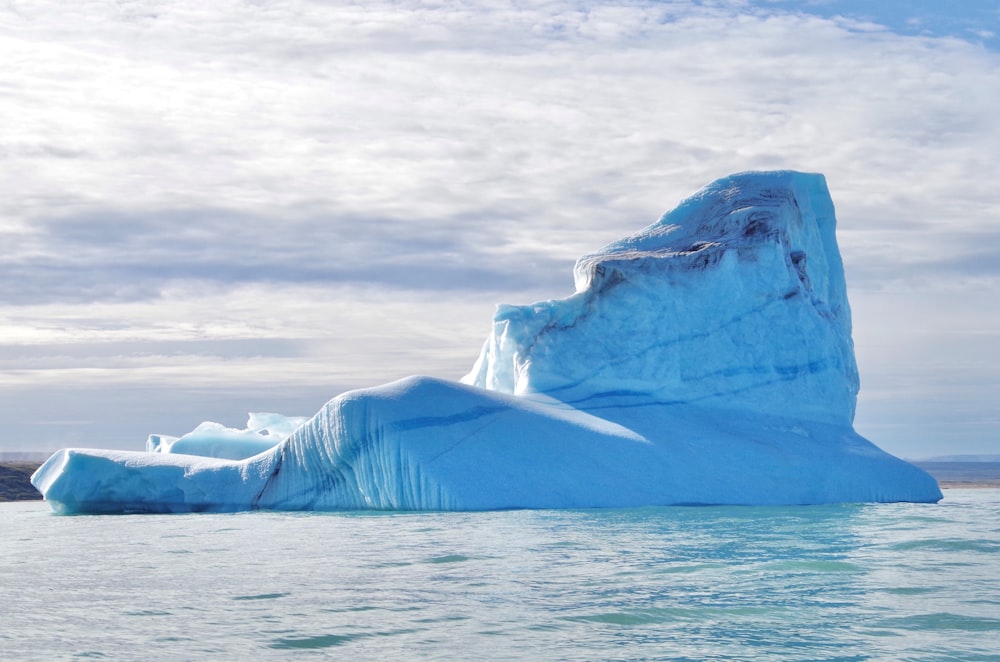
<point x="108" y="255"/>
<point x="181" y="168"/>
<point x="564" y="121"/>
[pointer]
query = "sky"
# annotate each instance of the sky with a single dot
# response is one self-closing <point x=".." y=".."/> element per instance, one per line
<point x="214" y="208"/>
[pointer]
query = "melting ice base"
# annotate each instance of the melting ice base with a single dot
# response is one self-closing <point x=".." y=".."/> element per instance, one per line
<point x="705" y="360"/>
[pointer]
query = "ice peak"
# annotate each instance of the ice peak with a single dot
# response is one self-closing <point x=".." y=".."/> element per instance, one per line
<point x="735" y="298"/>
<point x="736" y="212"/>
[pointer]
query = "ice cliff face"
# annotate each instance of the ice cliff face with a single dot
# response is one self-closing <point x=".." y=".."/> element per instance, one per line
<point x="706" y="359"/>
<point x="735" y="298"/>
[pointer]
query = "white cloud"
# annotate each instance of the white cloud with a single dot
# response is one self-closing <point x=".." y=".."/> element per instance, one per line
<point x="171" y="158"/>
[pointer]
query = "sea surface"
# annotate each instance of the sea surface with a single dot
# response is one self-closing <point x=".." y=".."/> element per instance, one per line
<point x="850" y="582"/>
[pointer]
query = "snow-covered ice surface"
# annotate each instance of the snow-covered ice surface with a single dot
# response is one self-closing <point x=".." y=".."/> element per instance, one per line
<point x="263" y="432"/>
<point x="704" y="360"/>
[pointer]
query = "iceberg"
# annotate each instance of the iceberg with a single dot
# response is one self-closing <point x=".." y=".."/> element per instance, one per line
<point x="706" y="359"/>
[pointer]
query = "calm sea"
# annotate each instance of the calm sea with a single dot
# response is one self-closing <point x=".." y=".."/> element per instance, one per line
<point x="855" y="582"/>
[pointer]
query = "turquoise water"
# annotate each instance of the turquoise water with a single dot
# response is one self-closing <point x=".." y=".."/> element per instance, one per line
<point x="855" y="582"/>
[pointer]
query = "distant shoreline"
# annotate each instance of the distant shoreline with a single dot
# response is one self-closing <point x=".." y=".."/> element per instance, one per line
<point x="15" y="481"/>
<point x="963" y="475"/>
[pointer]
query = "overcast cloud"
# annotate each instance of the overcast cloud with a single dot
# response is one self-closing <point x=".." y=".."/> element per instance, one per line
<point x="287" y="199"/>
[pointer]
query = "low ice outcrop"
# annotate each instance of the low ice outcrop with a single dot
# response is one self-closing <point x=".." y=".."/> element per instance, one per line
<point x="705" y="359"/>
<point x="263" y="432"/>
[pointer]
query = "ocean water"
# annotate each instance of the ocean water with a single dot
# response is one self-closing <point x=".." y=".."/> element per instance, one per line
<point x="851" y="582"/>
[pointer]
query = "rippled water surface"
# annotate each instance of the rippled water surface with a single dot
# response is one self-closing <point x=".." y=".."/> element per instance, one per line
<point x="856" y="582"/>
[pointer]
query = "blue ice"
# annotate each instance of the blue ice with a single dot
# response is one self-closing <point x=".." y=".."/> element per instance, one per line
<point x="706" y="359"/>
